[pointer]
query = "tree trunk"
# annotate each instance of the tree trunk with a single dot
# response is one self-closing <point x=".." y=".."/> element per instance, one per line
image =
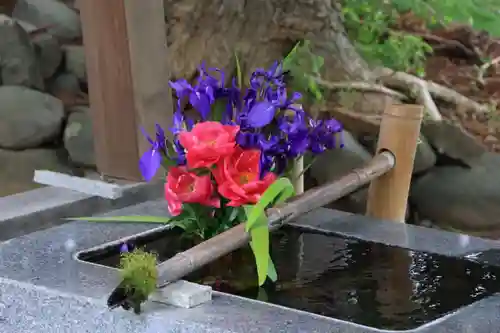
<point x="260" y="31"/>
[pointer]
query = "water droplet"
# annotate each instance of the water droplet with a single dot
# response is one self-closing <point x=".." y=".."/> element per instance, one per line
<point x="70" y="245"/>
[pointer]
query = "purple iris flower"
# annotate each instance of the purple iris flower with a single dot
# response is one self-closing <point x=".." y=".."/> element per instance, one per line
<point x="261" y="114"/>
<point x="233" y="102"/>
<point x="150" y="161"/>
<point x="124" y="248"/>
<point x="273" y="155"/>
<point x="269" y="96"/>
<point x="298" y="143"/>
<point x="179" y="122"/>
<point x="323" y="135"/>
<point x="180" y="153"/>
<point x="200" y="98"/>
<point x="248" y="139"/>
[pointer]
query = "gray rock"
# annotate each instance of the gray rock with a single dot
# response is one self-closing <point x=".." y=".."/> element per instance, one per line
<point x="47" y="49"/>
<point x="62" y="22"/>
<point x="337" y="162"/>
<point x="452" y="141"/>
<point x="461" y="198"/>
<point x="75" y="61"/>
<point x="66" y="82"/>
<point x="425" y="157"/>
<point x="334" y="164"/>
<point x="18" y="60"/>
<point x="28" y="118"/>
<point x="78" y="137"/>
<point x="17" y="167"/>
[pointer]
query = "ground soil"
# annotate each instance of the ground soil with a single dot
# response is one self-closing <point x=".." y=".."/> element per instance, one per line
<point x="459" y="53"/>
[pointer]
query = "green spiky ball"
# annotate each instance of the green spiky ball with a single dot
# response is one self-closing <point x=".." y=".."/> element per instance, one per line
<point x="138" y="272"/>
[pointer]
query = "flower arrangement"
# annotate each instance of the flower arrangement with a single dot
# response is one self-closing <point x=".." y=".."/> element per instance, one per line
<point x="229" y="154"/>
<point x="234" y="147"/>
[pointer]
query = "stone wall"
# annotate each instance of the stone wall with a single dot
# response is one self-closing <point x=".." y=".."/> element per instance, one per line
<point x="44" y="114"/>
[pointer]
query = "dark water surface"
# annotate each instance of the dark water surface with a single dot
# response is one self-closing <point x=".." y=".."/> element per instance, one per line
<point x="367" y="283"/>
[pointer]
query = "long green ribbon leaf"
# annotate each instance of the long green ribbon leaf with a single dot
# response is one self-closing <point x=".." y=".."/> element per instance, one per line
<point x="257" y="226"/>
<point x="132" y="219"/>
<point x="278" y="192"/>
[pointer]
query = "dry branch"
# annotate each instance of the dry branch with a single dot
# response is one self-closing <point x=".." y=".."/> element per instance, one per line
<point x="484" y="68"/>
<point x="360" y="86"/>
<point x="402" y="80"/>
<point x="418" y="87"/>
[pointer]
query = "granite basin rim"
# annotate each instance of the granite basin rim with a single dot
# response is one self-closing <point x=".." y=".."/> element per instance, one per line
<point x="103" y="246"/>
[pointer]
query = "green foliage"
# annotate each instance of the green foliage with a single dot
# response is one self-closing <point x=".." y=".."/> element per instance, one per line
<point x="139" y="274"/>
<point x="258" y="227"/>
<point x="369" y="25"/>
<point x="303" y="66"/>
<point x="480" y="14"/>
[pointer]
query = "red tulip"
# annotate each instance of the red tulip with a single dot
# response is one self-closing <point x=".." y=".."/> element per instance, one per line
<point x="207" y="143"/>
<point x="238" y="180"/>
<point x="186" y="187"/>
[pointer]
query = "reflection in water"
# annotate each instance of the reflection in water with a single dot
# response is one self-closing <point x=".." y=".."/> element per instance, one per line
<point x="367" y="283"/>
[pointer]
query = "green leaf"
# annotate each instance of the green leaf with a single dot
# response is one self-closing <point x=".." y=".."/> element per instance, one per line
<point x="260" y="244"/>
<point x="234" y="212"/>
<point x="239" y="75"/>
<point x="219" y="108"/>
<point x="138" y="219"/>
<point x="287" y="62"/>
<point x="260" y="248"/>
<point x="262" y="295"/>
<point x="257" y="226"/>
<point x="278" y="192"/>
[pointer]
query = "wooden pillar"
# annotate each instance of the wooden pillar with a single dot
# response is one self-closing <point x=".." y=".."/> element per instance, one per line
<point x="399" y="133"/>
<point x="127" y="69"/>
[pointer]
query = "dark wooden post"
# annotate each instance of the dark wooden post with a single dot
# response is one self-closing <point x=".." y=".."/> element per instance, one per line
<point x="127" y="69"/>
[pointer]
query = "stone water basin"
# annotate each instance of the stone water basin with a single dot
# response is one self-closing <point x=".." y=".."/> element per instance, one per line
<point x="338" y="273"/>
<point x="371" y="284"/>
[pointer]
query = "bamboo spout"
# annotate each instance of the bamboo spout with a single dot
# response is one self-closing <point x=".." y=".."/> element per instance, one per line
<point x="190" y="260"/>
<point x="399" y="133"/>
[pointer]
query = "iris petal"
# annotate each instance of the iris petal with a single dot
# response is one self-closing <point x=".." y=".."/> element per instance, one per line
<point x="261" y="114"/>
<point x="149" y="164"/>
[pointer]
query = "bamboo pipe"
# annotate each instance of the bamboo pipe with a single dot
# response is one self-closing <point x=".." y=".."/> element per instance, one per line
<point x="399" y="133"/>
<point x="192" y="259"/>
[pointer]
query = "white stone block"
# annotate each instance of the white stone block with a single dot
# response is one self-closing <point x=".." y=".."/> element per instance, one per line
<point x="82" y="185"/>
<point x="183" y="294"/>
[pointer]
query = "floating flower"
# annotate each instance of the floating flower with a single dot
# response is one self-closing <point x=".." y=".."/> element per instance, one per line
<point x="183" y="186"/>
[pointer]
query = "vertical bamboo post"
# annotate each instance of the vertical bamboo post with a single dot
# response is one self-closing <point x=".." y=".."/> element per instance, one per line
<point x="298" y="175"/>
<point x="399" y="133"/>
